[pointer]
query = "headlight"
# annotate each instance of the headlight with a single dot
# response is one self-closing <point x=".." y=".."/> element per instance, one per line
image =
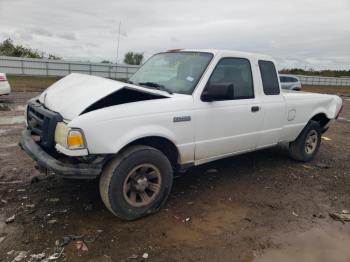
<point x="61" y="134"/>
<point x="69" y="138"/>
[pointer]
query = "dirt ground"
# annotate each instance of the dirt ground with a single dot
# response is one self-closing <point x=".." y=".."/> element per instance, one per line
<point x="260" y="206"/>
<point x="327" y="89"/>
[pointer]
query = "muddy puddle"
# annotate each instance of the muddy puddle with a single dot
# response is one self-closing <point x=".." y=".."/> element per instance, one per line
<point x="12" y="120"/>
<point x="213" y="221"/>
<point x="330" y="242"/>
<point x="8" y="145"/>
<point x="10" y="107"/>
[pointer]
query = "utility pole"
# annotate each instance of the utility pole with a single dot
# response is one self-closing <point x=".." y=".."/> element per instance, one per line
<point x="120" y="23"/>
<point x="116" y="62"/>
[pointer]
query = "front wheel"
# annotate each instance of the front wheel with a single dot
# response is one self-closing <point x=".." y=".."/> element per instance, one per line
<point x="137" y="182"/>
<point x="306" y="146"/>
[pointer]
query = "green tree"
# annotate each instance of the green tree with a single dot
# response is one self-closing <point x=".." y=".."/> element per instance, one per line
<point x="129" y="58"/>
<point x="138" y="57"/>
<point x="8" y="48"/>
<point x="311" y="72"/>
<point x="54" y="57"/>
<point x="132" y="58"/>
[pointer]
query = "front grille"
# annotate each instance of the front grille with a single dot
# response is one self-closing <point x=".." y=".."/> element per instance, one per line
<point x="42" y="122"/>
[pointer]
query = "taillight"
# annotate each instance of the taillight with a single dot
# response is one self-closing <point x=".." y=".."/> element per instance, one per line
<point x="341" y="108"/>
<point x="3" y="78"/>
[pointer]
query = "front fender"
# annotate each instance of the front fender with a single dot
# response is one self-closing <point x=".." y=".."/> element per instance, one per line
<point x="110" y="136"/>
<point x="141" y="132"/>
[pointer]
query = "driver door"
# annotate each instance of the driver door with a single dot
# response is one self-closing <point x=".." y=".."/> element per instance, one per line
<point x="230" y="125"/>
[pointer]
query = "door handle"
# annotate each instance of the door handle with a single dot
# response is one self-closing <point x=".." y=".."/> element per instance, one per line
<point x="255" y="109"/>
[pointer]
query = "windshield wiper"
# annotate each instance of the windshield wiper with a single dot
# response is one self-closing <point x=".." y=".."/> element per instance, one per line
<point x="129" y="82"/>
<point x="156" y="86"/>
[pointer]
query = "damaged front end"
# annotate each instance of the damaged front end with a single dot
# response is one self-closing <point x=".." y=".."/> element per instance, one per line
<point x="53" y="143"/>
<point x="61" y="148"/>
<point x="60" y="165"/>
<point x="122" y="96"/>
<point x="38" y="140"/>
<point x="76" y="94"/>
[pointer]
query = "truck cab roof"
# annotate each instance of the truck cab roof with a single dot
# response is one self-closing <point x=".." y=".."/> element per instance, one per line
<point x="230" y="53"/>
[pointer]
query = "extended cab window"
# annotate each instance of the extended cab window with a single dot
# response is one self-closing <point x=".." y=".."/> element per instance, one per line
<point x="236" y="71"/>
<point x="269" y="78"/>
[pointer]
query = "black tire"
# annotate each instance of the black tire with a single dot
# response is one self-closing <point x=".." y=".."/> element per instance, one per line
<point x="118" y="170"/>
<point x="298" y="149"/>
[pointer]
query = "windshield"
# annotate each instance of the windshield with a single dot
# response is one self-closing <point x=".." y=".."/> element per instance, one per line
<point x="174" y="72"/>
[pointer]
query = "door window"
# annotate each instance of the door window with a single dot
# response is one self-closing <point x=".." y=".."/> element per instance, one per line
<point x="236" y="71"/>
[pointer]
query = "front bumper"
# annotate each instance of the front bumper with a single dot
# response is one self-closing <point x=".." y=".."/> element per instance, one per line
<point x="67" y="170"/>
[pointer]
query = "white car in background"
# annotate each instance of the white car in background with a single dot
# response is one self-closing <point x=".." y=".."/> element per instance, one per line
<point x="5" y="88"/>
<point x="290" y="82"/>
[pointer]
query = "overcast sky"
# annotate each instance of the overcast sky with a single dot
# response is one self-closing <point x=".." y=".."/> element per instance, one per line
<point x="297" y="33"/>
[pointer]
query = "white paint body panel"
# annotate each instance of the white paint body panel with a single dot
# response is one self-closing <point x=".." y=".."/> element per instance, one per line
<point x="114" y="127"/>
<point x="216" y="129"/>
<point x="307" y="105"/>
<point x="5" y="88"/>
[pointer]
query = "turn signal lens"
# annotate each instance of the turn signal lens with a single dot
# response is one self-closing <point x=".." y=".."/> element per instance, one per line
<point x="75" y="140"/>
<point x="70" y="138"/>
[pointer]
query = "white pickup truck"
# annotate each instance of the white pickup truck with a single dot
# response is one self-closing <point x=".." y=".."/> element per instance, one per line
<point x="182" y="108"/>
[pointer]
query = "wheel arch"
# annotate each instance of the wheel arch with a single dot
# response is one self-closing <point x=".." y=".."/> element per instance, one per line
<point x="164" y="145"/>
<point x="322" y="119"/>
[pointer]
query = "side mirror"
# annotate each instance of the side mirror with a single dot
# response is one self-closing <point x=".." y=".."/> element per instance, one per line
<point x="217" y="92"/>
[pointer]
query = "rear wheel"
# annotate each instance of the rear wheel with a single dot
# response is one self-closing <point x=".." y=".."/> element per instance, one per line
<point x="137" y="182"/>
<point x="306" y="146"/>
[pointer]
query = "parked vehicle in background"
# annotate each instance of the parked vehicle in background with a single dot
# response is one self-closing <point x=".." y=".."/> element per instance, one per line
<point x="5" y="88"/>
<point x="180" y="109"/>
<point x="290" y="82"/>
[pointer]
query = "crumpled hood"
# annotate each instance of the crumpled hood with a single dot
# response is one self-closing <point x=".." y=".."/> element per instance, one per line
<point x="71" y="95"/>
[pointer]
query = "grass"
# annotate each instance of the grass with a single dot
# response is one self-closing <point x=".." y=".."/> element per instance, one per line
<point x="327" y="89"/>
<point x="31" y="83"/>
